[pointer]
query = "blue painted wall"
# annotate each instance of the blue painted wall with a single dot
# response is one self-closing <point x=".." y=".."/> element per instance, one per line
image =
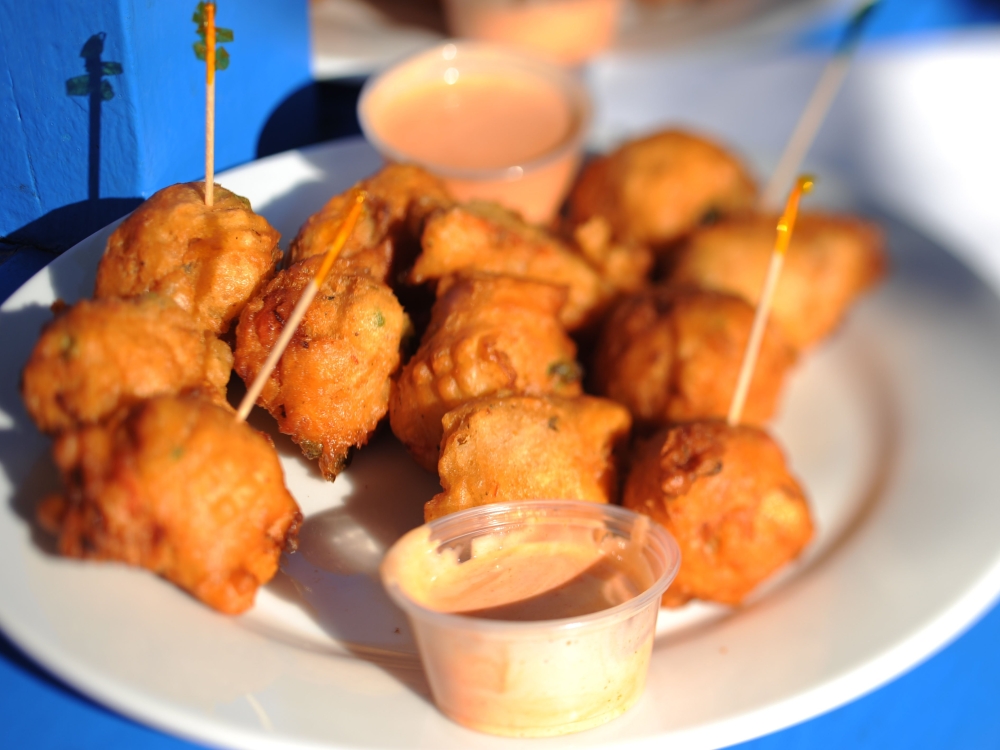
<point x="151" y="127"/>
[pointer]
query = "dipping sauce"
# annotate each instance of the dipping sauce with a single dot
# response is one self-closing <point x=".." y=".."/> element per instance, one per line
<point x="565" y="31"/>
<point x="493" y="124"/>
<point x="535" y="618"/>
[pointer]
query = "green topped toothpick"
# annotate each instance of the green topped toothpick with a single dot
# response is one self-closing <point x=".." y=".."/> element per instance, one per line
<point x="215" y="58"/>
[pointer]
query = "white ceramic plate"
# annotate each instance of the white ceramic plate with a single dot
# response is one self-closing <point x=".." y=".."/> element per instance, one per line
<point x="889" y="426"/>
<point x="357" y="37"/>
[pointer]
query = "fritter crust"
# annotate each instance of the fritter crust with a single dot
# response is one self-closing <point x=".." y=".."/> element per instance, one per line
<point x="179" y="487"/>
<point x="482" y="236"/>
<point x="103" y="355"/>
<point x="729" y="500"/>
<point x="674" y="353"/>
<point x="488" y="335"/>
<point x="658" y="188"/>
<point x="210" y="261"/>
<point x="830" y="262"/>
<point x="331" y="386"/>
<point x="387" y="237"/>
<point x="500" y="449"/>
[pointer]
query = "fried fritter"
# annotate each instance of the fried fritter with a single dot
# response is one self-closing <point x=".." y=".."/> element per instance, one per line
<point x="520" y="448"/>
<point x="387" y="237"/>
<point x="100" y="356"/>
<point x="482" y="236"/>
<point x="210" y="261"/>
<point x="656" y="189"/>
<point x="625" y="265"/>
<point x="488" y="335"/>
<point x="674" y="353"/>
<point x="831" y="260"/>
<point x="729" y="500"/>
<point x="181" y="488"/>
<point x="331" y="386"/>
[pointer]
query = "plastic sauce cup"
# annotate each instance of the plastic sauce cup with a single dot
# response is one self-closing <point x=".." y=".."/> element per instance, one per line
<point x="493" y="667"/>
<point x="565" y="31"/>
<point x="494" y="124"/>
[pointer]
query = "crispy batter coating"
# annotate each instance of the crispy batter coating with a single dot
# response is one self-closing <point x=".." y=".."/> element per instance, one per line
<point x="729" y="500"/>
<point x="482" y="236"/>
<point x="331" y="386"/>
<point x="674" y="353"/>
<point x="102" y="355"/>
<point x="488" y="335"/>
<point x="387" y="237"/>
<point x="831" y="260"/>
<point x="656" y="189"/>
<point x="179" y="487"/>
<point x="210" y="261"/>
<point x="625" y="265"/>
<point x="499" y="449"/>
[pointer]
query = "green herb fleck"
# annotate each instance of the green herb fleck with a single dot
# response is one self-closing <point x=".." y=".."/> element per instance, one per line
<point x="554" y="424"/>
<point x="566" y="370"/>
<point x="177" y="452"/>
<point x="310" y="449"/>
<point x="379" y="319"/>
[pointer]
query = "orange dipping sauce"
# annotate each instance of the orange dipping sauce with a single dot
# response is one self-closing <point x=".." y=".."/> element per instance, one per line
<point x="493" y="124"/>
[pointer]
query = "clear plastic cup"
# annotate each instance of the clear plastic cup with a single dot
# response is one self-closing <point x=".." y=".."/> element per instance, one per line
<point x="493" y="123"/>
<point x="533" y="677"/>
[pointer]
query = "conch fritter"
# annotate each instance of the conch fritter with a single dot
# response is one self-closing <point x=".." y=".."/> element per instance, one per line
<point x="520" y="448"/>
<point x="656" y="189"/>
<point x="729" y="500"/>
<point x="209" y="260"/>
<point x="331" y="386"/>
<point x="482" y="236"/>
<point x="671" y="354"/>
<point x="831" y="260"/>
<point x="387" y="238"/>
<point x="179" y="487"/>
<point x="102" y="355"/>
<point x="488" y="335"/>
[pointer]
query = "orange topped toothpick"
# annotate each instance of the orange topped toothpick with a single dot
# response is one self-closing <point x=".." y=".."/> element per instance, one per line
<point x="785" y="226"/>
<point x="308" y="294"/>
<point x="216" y="58"/>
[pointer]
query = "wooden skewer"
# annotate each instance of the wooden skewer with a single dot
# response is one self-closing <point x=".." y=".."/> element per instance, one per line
<point x="209" y="103"/>
<point x="816" y="110"/>
<point x="308" y="294"/>
<point x="785" y="226"/>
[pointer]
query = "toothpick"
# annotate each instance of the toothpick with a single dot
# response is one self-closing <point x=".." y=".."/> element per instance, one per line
<point x="209" y="102"/>
<point x="785" y="226"/>
<point x="308" y="294"/>
<point x="814" y="114"/>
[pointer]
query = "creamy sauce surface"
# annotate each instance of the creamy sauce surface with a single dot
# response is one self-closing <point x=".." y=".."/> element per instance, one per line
<point x="531" y="576"/>
<point x="473" y="120"/>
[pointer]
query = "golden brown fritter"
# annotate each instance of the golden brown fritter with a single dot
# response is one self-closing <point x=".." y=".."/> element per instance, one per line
<point x="482" y="236"/>
<point x="102" y="355"/>
<point x="624" y="265"/>
<point x="210" y="261"/>
<point x="181" y="488"/>
<point x="500" y="449"/>
<point x="729" y="500"/>
<point x="488" y="335"/>
<point x="656" y="189"/>
<point x="672" y="354"/>
<point x="387" y="237"/>
<point x="331" y="386"/>
<point x="831" y="260"/>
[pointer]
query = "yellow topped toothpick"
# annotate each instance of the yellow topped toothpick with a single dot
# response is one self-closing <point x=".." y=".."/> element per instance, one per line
<point x="216" y="58"/>
<point x="786" y="224"/>
<point x="308" y="294"/>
